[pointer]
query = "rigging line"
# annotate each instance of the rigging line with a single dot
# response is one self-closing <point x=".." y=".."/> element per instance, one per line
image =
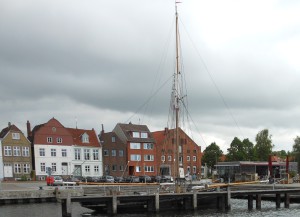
<point x="162" y="61"/>
<point x="189" y="115"/>
<point x="149" y="99"/>
<point x="213" y="81"/>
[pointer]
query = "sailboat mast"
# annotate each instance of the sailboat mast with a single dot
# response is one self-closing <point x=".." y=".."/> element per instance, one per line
<point x="177" y="96"/>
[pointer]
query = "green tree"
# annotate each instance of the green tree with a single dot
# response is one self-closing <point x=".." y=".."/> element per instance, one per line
<point x="296" y="150"/>
<point x="240" y="150"/>
<point x="263" y="147"/>
<point x="211" y="155"/>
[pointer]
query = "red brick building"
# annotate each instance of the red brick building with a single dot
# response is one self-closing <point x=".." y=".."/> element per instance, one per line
<point x="189" y="153"/>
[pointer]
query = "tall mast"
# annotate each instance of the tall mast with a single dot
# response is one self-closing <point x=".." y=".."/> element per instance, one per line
<point x="177" y="96"/>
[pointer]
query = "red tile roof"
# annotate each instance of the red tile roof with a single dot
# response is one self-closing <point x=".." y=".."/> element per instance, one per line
<point x="77" y="135"/>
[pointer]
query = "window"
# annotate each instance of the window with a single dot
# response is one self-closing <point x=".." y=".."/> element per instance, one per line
<point x="134" y="145"/>
<point x="26" y="168"/>
<point x="17" y="168"/>
<point x="113" y="139"/>
<point x="7" y="151"/>
<point x="180" y="149"/>
<point x="144" y="135"/>
<point x="113" y="153"/>
<point x="95" y="154"/>
<point x="169" y="158"/>
<point x="163" y="158"/>
<point x="64" y="152"/>
<point x="149" y="168"/>
<point x="135" y="157"/>
<point x="180" y="159"/>
<point x="121" y="168"/>
<point x="106" y="153"/>
<point x="188" y="158"/>
<point x="85" y="138"/>
<point x="96" y="169"/>
<point x="194" y="158"/>
<point x="135" y="134"/>
<point x="43" y="167"/>
<point x="16" y="136"/>
<point x="25" y="151"/>
<point x="86" y="154"/>
<point x="137" y="169"/>
<point x="114" y="167"/>
<point x="148" y="146"/>
<point x="188" y="169"/>
<point x="42" y="152"/>
<point x="59" y="140"/>
<point x="17" y="151"/>
<point x="77" y="153"/>
<point x="53" y="152"/>
<point x="53" y="166"/>
<point x="194" y="169"/>
<point x="121" y="153"/>
<point x="87" y="168"/>
<point x="49" y="139"/>
<point x="148" y="157"/>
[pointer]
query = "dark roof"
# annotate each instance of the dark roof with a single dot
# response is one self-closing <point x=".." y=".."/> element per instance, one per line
<point x="129" y="128"/>
<point x="9" y="128"/>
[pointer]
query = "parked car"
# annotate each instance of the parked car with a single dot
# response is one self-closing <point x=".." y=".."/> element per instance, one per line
<point x="145" y="179"/>
<point x="91" y="179"/>
<point x="106" y="179"/>
<point x="119" y="179"/>
<point x="155" y="179"/>
<point x="166" y="178"/>
<point x="132" y="179"/>
<point x="58" y="180"/>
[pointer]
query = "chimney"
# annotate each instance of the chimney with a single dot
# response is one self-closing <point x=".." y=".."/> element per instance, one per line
<point x="28" y="129"/>
<point x="9" y="124"/>
<point x="102" y="131"/>
<point x="166" y="130"/>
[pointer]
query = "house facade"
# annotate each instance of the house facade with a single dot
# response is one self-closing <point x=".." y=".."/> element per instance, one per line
<point x="114" y="154"/>
<point x="65" y="151"/>
<point x="1" y="162"/>
<point x="189" y="153"/>
<point x="141" y="149"/>
<point x="16" y="154"/>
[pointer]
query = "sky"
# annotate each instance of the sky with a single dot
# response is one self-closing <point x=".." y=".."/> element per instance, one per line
<point x="95" y="62"/>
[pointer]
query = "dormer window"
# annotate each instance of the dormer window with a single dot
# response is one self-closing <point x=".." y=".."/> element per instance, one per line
<point x="16" y="136"/>
<point x="85" y="138"/>
<point x="144" y="135"/>
<point x="136" y="134"/>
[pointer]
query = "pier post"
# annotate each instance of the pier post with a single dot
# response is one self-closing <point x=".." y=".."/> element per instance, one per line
<point x="157" y="202"/>
<point x="221" y="203"/>
<point x="114" y="203"/>
<point x="66" y="209"/>
<point x="250" y="201"/>
<point x="286" y="200"/>
<point x="195" y="201"/>
<point x="277" y="200"/>
<point x="228" y="202"/>
<point x="258" y="201"/>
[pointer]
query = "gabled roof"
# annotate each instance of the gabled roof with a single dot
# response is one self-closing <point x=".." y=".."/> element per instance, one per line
<point x="77" y="137"/>
<point x="9" y="128"/>
<point x="127" y="130"/>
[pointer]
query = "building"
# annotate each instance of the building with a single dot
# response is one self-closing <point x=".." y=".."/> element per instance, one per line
<point x="141" y="149"/>
<point x="189" y="153"/>
<point x="15" y="154"/>
<point x="65" y="151"/>
<point x="252" y="170"/>
<point x="114" y="154"/>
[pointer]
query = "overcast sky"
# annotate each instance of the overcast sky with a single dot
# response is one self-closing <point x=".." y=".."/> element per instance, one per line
<point x="99" y="61"/>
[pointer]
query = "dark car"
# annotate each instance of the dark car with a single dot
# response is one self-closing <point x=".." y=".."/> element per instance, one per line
<point x="106" y="179"/>
<point x="119" y="179"/>
<point x="132" y="179"/>
<point x="145" y="178"/>
<point x="91" y="179"/>
<point x="156" y="179"/>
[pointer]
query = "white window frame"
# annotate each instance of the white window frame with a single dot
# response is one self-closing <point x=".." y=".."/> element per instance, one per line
<point x="77" y="154"/>
<point x="144" y="135"/>
<point x="49" y="140"/>
<point x="194" y="169"/>
<point x="17" y="151"/>
<point x="53" y="167"/>
<point x="95" y="154"/>
<point x="87" y="154"/>
<point x="87" y="169"/>
<point x="136" y="134"/>
<point x="59" y="140"/>
<point x="43" y="167"/>
<point x="149" y="168"/>
<point x="53" y="152"/>
<point x="163" y="158"/>
<point x="148" y="146"/>
<point x="169" y="157"/>
<point x="16" y="136"/>
<point x="194" y="158"/>
<point x="25" y="152"/>
<point x="188" y="158"/>
<point x="148" y="157"/>
<point x="135" y="145"/>
<point x="135" y="157"/>
<point x="64" y="152"/>
<point x="7" y="151"/>
<point x="138" y="169"/>
<point x="42" y="152"/>
<point x="105" y="152"/>
<point x="96" y="169"/>
<point x="26" y="168"/>
<point x="113" y="152"/>
<point x="121" y="153"/>
<point x="17" y="168"/>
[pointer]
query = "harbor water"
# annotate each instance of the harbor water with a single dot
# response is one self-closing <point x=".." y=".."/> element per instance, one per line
<point x="239" y="209"/>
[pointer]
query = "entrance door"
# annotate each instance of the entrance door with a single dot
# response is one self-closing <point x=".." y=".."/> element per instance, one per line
<point x="8" y="171"/>
<point x="77" y="170"/>
<point x="64" y="168"/>
<point x="131" y="170"/>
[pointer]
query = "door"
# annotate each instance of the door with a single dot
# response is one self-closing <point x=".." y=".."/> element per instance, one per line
<point x="77" y="170"/>
<point x="8" y="171"/>
<point x="64" y="169"/>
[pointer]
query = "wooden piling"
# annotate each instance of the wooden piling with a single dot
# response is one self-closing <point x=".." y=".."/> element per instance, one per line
<point x="157" y="202"/>
<point x="287" y="200"/>
<point x="278" y="200"/>
<point x="228" y="202"/>
<point x="258" y="201"/>
<point x="250" y="202"/>
<point x="195" y="201"/>
<point x="114" y="203"/>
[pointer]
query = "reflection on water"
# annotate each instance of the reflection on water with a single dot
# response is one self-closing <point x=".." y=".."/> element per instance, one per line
<point x="239" y="209"/>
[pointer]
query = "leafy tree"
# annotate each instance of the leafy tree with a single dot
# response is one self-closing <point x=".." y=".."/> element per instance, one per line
<point x="263" y="145"/>
<point x="240" y="150"/>
<point x="296" y="150"/>
<point x="211" y="154"/>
